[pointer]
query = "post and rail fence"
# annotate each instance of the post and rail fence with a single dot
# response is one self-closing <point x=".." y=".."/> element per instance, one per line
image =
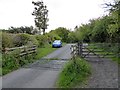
<point x="76" y="50"/>
<point x="24" y="50"/>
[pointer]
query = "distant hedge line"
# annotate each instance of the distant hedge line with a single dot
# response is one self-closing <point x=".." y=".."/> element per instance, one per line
<point x="9" y="40"/>
<point x="16" y="40"/>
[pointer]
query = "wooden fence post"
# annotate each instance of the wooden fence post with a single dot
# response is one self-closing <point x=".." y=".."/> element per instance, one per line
<point x="80" y="49"/>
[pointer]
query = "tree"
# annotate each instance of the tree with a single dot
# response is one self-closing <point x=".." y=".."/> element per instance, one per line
<point x="114" y="26"/>
<point x="72" y="37"/>
<point x="41" y="15"/>
<point x="82" y="33"/>
<point x="63" y="33"/>
<point x="99" y="32"/>
<point x="14" y="30"/>
<point x="22" y="29"/>
<point x="26" y="29"/>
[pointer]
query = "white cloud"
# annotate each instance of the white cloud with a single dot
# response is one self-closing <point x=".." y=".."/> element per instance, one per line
<point x="66" y="13"/>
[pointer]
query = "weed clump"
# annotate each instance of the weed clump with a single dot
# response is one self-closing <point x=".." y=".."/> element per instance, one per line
<point x="75" y="71"/>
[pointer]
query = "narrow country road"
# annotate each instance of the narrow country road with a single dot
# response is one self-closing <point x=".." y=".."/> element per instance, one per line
<point x="41" y="74"/>
<point x="63" y="53"/>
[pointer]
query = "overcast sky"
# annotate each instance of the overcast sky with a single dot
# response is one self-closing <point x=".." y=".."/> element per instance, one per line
<point x="62" y="13"/>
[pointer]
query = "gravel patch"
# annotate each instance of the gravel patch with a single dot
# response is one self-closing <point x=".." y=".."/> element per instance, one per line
<point x="104" y="73"/>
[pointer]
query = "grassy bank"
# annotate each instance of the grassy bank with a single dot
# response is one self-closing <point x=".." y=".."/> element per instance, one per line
<point x="10" y="63"/>
<point x="0" y="64"/>
<point x="116" y="59"/>
<point x="74" y="73"/>
<point x="41" y="52"/>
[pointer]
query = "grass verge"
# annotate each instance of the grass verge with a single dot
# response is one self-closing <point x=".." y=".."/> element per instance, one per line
<point x="0" y="64"/>
<point x="116" y="59"/>
<point x="41" y="52"/>
<point x="74" y="73"/>
<point x="10" y="63"/>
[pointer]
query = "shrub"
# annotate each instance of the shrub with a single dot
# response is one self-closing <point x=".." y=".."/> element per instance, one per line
<point x="0" y="41"/>
<point x="8" y="63"/>
<point x="24" y="39"/>
<point x="42" y="40"/>
<point x="6" y="40"/>
<point x="12" y="61"/>
<point x="21" y="39"/>
<point x="32" y="41"/>
<point x="74" y="73"/>
<point x="52" y="36"/>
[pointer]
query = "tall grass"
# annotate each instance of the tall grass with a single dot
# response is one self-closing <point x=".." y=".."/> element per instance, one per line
<point x="11" y="62"/>
<point x="74" y="72"/>
<point x="0" y="64"/>
<point x="43" y="51"/>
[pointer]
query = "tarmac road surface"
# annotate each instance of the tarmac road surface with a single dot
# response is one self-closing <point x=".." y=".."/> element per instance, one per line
<point x="39" y="74"/>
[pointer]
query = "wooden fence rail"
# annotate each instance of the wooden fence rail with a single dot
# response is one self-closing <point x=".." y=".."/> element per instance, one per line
<point x="24" y="50"/>
<point x="76" y="50"/>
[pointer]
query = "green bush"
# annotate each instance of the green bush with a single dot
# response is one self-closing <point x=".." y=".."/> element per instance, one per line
<point x="6" y="40"/>
<point x="62" y="33"/>
<point x="52" y="36"/>
<point x="0" y="41"/>
<point x="8" y="63"/>
<point x="32" y="41"/>
<point x="21" y="39"/>
<point x="74" y="73"/>
<point x="42" y="40"/>
<point x="11" y="61"/>
<point x="24" y="39"/>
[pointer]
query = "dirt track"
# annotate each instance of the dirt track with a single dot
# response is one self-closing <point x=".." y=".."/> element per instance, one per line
<point x="104" y="73"/>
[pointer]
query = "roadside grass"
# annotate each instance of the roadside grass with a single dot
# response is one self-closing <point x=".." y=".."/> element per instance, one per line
<point x="116" y="59"/>
<point x="0" y="64"/>
<point x="41" y="52"/>
<point x="0" y="71"/>
<point x="10" y="63"/>
<point x="74" y="73"/>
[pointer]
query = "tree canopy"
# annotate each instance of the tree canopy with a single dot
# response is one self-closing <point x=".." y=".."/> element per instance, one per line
<point x="102" y="29"/>
<point x="41" y="15"/>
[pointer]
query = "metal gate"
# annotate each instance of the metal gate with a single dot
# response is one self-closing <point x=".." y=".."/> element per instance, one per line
<point x="95" y="50"/>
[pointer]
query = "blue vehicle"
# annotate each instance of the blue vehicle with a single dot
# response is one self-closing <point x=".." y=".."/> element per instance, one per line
<point x="57" y="43"/>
